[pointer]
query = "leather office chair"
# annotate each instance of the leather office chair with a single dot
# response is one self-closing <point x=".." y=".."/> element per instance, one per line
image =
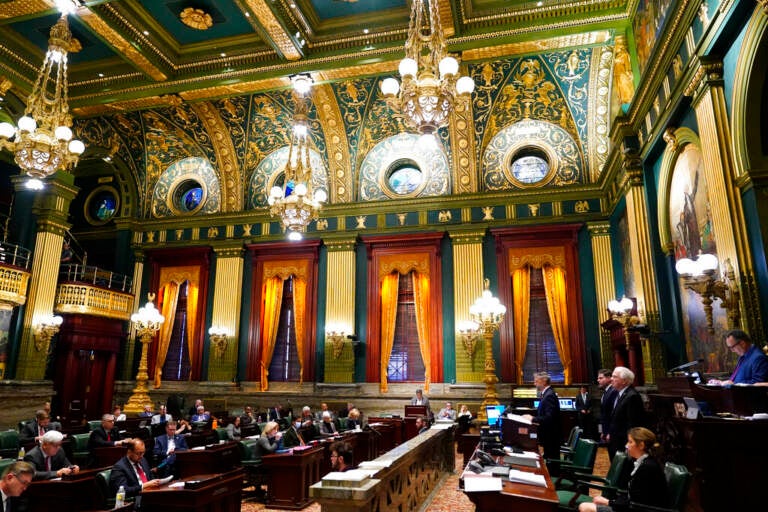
<point x="566" y="450"/>
<point x="80" y="453"/>
<point x="678" y="480"/>
<point x="105" y="497"/>
<point x="4" y="463"/>
<point x="93" y="425"/>
<point x="583" y="460"/>
<point x="254" y="471"/>
<point x="571" y="493"/>
<point x="9" y="444"/>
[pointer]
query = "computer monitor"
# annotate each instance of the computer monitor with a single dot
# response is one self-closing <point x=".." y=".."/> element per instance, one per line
<point x="494" y="413"/>
<point x="567" y="404"/>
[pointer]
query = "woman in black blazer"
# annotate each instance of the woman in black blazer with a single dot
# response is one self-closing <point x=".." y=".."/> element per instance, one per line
<point x="647" y="484"/>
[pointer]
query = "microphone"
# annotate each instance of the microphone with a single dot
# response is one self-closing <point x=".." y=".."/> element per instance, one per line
<point x="686" y="365"/>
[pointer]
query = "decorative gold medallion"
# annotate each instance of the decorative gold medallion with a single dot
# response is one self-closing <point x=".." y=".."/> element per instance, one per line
<point x="196" y="18"/>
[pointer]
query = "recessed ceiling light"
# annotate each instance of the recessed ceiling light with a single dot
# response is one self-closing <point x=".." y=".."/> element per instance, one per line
<point x="146" y="32"/>
<point x="539" y="3"/>
<point x="365" y="31"/>
<point x="293" y="6"/>
<point x="101" y="74"/>
<point x="223" y="54"/>
<point x="247" y="15"/>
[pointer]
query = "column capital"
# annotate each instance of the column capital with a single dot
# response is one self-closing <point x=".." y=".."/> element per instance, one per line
<point x="229" y="252"/>
<point x="709" y="72"/>
<point x="599" y="228"/>
<point x="467" y="237"/>
<point x="340" y="244"/>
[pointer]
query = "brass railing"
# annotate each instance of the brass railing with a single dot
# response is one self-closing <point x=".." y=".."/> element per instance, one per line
<point x="87" y="274"/>
<point x="14" y="275"/>
<point x="86" y="299"/>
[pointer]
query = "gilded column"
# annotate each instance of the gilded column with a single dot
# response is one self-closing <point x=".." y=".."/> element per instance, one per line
<point x="463" y="149"/>
<point x="227" y="302"/>
<point x="340" y="311"/>
<point x="51" y="207"/>
<point x="706" y="89"/>
<point x="467" y="287"/>
<point x="605" y="289"/>
<point x="641" y="253"/>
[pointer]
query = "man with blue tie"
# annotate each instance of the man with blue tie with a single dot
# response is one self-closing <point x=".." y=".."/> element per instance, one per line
<point x="547" y="416"/>
<point x="166" y="447"/>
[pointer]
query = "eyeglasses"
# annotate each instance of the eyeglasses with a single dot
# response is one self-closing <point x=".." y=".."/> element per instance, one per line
<point x="732" y="346"/>
<point x="25" y="483"/>
<point x="334" y="456"/>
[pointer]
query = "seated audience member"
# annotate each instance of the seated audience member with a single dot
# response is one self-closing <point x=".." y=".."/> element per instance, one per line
<point x="344" y="413"/>
<point x="464" y="411"/>
<point x="49" y="459"/>
<point x="35" y="429"/>
<point x="341" y="456"/>
<point x="308" y="430"/>
<point x="327" y="426"/>
<point x="15" y="480"/>
<point x="132" y="471"/>
<point x="200" y="416"/>
<point x="293" y="436"/>
<point x="421" y="425"/>
<point x="353" y="420"/>
<point x="166" y="447"/>
<point x="752" y="365"/>
<point x="104" y="435"/>
<point x="146" y="413"/>
<point x="323" y="408"/>
<point x="55" y="423"/>
<point x="268" y="442"/>
<point x="276" y="413"/>
<point x="193" y="409"/>
<point x="447" y="412"/>
<point x="248" y="416"/>
<point x="118" y="414"/>
<point x="647" y="485"/>
<point x="162" y="416"/>
<point x="233" y="429"/>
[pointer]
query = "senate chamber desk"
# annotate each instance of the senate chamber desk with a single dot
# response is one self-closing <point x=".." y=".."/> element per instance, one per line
<point x="214" y="458"/>
<point x="212" y="493"/>
<point x="289" y="476"/>
<point x="72" y="493"/>
<point x="516" y="496"/>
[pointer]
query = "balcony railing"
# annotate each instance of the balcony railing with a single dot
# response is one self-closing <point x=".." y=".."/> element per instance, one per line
<point x="89" y="290"/>
<point x="95" y="276"/>
<point x="14" y="255"/>
<point x="14" y="274"/>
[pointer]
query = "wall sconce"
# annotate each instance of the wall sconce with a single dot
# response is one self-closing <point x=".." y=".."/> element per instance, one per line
<point x="621" y="311"/>
<point x="335" y="335"/>
<point x="469" y="333"/>
<point x="703" y="277"/>
<point x="218" y="336"/>
<point x="45" y="328"/>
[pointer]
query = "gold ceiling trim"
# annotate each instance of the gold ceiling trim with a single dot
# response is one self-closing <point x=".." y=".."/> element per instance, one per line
<point x="196" y="18"/>
<point x="337" y="144"/>
<point x="566" y="8"/>
<point x="273" y="28"/>
<point x="525" y="47"/>
<point x="235" y="89"/>
<point x="123" y="106"/>
<point x="125" y="48"/>
<point x="17" y="8"/>
<point x="446" y="17"/>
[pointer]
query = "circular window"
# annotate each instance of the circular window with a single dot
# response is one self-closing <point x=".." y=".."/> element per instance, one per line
<point x="102" y="205"/>
<point x="530" y="167"/>
<point x="188" y="196"/>
<point x="405" y="177"/>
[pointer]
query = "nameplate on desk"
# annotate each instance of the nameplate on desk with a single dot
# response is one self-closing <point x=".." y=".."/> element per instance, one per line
<point x="524" y="477"/>
<point x="193" y="484"/>
<point x="480" y="483"/>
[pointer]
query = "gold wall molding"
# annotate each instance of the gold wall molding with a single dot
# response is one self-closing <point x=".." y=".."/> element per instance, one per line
<point x="539" y="46"/>
<point x="339" y="162"/>
<point x="467" y="237"/>
<point x="335" y="245"/>
<point x="16" y="8"/>
<point x="178" y="275"/>
<point x="602" y="261"/>
<point x="228" y="252"/>
<point x="463" y="160"/>
<point x="599" y="114"/>
<point x="340" y="296"/>
<point x="83" y="299"/>
<point x="274" y="29"/>
<point x="536" y="257"/>
<point x="403" y="264"/>
<point x="230" y="174"/>
<point x="284" y="269"/>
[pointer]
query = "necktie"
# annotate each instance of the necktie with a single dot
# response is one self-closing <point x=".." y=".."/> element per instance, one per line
<point x="736" y="370"/>
<point x="301" y="439"/>
<point x="142" y="475"/>
<point x="109" y="437"/>
<point x="48" y="463"/>
<point x="42" y="431"/>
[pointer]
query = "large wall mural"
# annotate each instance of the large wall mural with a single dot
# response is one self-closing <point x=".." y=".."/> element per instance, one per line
<point x="648" y="25"/>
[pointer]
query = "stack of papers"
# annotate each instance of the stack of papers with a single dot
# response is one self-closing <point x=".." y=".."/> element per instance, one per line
<point x="481" y="484"/>
<point x="523" y="477"/>
<point x="519" y="419"/>
<point x="528" y="459"/>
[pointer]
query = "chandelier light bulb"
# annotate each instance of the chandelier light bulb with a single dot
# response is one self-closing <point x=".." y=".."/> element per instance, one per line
<point x="27" y="124"/>
<point x="390" y="86"/>
<point x="76" y="146"/>
<point x="448" y="66"/>
<point x="301" y="189"/>
<point x="35" y="184"/>
<point x="302" y="84"/>
<point x="408" y="68"/>
<point x="320" y="196"/>
<point x="300" y="129"/>
<point x="276" y="192"/>
<point x="707" y="262"/>
<point x="294" y="236"/>
<point x="7" y="130"/>
<point x="685" y="266"/>
<point x="63" y="133"/>
<point x="465" y="85"/>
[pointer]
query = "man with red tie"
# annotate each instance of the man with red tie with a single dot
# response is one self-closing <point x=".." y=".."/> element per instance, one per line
<point x="35" y="429"/>
<point x="49" y="459"/>
<point x="132" y="471"/>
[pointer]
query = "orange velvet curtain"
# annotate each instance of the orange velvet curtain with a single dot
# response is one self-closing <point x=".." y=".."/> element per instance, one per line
<point x="521" y="310"/>
<point x="554" y="285"/>
<point x="389" y="289"/>
<point x="170" y="303"/>
<point x="193" y="291"/>
<point x="300" y="318"/>
<point x="423" y="316"/>
<point x="272" y="292"/>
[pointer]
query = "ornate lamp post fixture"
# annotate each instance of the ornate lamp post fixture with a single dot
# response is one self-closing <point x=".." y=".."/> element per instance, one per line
<point x="147" y="322"/>
<point x="45" y="330"/>
<point x="487" y="312"/>
<point x="703" y="277"/>
<point x="621" y="311"/>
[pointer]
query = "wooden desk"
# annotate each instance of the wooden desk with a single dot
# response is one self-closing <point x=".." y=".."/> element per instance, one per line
<point x="216" y="493"/>
<point x="398" y="425"/>
<point x="76" y="492"/>
<point x="516" y="496"/>
<point x="290" y="475"/>
<point x="386" y="433"/>
<point x="217" y="458"/>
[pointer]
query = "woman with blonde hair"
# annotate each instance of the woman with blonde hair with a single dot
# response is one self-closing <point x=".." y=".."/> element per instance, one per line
<point x="269" y="441"/>
<point x="647" y="485"/>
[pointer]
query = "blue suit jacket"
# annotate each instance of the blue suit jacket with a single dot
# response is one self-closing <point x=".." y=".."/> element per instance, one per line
<point x="752" y="367"/>
<point x="161" y="446"/>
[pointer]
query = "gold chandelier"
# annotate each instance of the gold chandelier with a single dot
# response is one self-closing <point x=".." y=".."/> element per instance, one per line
<point x="42" y="143"/>
<point x="294" y="202"/>
<point x="431" y="83"/>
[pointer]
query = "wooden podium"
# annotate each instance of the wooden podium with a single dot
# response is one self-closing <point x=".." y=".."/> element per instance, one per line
<point x="519" y="435"/>
<point x="75" y="492"/>
<point x="290" y="475"/>
<point x="205" y="493"/>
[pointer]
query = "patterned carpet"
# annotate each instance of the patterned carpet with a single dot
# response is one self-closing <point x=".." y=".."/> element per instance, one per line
<point x="447" y="498"/>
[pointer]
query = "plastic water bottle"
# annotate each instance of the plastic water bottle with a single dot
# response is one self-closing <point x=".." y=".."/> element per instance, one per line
<point x="22" y="453"/>
<point x="120" y="497"/>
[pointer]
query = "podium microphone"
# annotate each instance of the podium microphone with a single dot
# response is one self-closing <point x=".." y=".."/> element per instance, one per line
<point x="686" y="365"/>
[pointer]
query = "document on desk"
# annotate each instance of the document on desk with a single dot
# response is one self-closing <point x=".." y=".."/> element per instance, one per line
<point x="519" y="419"/>
<point x="479" y="483"/>
<point x="524" y="477"/>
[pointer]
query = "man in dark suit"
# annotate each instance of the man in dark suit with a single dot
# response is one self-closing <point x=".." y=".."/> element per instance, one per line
<point x="584" y="412"/>
<point x="15" y="481"/>
<point x="547" y="416"/>
<point x="132" y="471"/>
<point x="35" y="429"/>
<point x="166" y="447"/>
<point x="606" y="402"/>
<point x="293" y="437"/>
<point x="103" y="436"/>
<point x="49" y="459"/>
<point x="628" y="410"/>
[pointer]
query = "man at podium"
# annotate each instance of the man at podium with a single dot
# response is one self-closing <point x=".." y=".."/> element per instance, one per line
<point x="547" y="416"/>
<point x="752" y="365"/>
<point x="420" y="399"/>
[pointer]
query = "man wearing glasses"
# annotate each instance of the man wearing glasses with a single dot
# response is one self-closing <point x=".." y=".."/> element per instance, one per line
<point x="15" y="481"/>
<point x="752" y="365"/>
